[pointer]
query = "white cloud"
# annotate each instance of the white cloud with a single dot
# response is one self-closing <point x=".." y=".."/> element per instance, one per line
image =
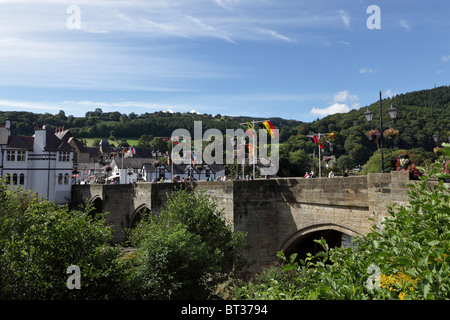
<point x="446" y="58"/>
<point x="345" y="18"/>
<point x="275" y="35"/>
<point x="340" y="104"/>
<point x="334" y="108"/>
<point x="366" y="70"/>
<point x="344" y="96"/>
<point x="389" y="93"/>
<point x="226" y="4"/>
<point x="404" y="24"/>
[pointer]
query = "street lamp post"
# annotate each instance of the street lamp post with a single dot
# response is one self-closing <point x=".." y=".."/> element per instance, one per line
<point x="369" y="117"/>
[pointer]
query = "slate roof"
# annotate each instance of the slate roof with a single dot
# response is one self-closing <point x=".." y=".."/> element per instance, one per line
<point x="93" y="151"/>
<point x="20" y="142"/>
<point x="133" y="163"/>
<point x="53" y="143"/>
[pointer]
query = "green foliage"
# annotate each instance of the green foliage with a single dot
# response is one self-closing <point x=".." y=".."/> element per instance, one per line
<point x="39" y="240"/>
<point x="407" y="256"/>
<point x="185" y="250"/>
<point x="171" y="263"/>
<point x="416" y="156"/>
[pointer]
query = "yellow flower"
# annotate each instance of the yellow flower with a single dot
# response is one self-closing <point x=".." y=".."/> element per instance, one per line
<point x="397" y="282"/>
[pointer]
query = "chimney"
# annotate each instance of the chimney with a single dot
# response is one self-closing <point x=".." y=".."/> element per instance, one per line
<point x="40" y="138"/>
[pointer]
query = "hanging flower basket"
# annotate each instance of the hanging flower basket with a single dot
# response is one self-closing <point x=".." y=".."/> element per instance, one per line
<point x="372" y="133"/>
<point x="390" y="133"/>
<point x="108" y="169"/>
<point x="130" y="173"/>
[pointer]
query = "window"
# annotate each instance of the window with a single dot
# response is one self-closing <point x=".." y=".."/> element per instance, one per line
<point x="66" y="178"/>
<point x="64" y="156"/>
<point x="14" y="180"/>
<point x="10" y="155"/>
<point x="60" y="178"/>
<point x="21" y="155"/>
<point x="22" y="179"/>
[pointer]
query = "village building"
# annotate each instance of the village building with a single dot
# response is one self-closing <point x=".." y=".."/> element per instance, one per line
<point x="42" y="163"/>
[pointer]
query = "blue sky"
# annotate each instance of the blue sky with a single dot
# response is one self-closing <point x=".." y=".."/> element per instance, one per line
<point x="294" y="59"/>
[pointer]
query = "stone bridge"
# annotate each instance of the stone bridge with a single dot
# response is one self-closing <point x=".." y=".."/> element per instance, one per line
<point x="277" y="214"/>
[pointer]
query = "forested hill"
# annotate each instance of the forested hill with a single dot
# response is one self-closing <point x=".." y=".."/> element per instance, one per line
<point x="421" y="114"/>
<point x="121" y="125"/>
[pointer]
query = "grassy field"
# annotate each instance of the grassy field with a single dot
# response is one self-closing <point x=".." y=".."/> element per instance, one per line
<point x="131" y="142"/>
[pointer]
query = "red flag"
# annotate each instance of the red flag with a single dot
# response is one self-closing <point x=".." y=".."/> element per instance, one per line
<point x="320" y="145"/>
<point x="315" y="139"/>
<point x="272" y="128"/>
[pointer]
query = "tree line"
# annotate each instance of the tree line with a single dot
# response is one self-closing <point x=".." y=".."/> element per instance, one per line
<point x="421" y="114"/>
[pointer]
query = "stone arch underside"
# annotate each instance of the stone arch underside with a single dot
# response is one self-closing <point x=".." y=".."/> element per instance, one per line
<point x="97" y="205"/>
<point x="302" y="241"/>
<point x="136" y="216"/>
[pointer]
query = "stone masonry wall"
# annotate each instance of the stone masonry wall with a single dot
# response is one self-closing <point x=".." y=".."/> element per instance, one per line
<point x="273" y="213"/>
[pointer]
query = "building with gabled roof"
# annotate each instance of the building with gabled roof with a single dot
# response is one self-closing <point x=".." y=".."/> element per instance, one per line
<point x="42" y="163"/>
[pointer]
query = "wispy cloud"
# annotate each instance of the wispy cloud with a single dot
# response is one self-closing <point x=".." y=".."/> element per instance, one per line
<point x="275" y="35"/>
<point x="210" y="29"/>
<point x="226" y="4"/>
<point x="446" y="58"/>
<point x="405" y="25"/>
<point x="345" y="18"/>
<point x="366" y="71"/>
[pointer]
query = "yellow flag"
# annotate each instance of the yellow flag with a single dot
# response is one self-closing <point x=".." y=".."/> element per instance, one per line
<point x="268" y="128"/>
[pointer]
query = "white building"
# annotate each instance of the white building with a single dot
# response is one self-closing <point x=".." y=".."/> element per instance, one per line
<point x="152" y="171"/>
<point x="42" y="163"/>
<point x="126" y="170"/>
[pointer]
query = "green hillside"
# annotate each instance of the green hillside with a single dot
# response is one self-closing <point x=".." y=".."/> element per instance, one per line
<point x="421" y="114"/>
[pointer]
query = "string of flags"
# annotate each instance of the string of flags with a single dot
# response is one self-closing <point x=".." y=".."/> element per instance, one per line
<point x="266" y="125"/>
<point x="131" y="150"/>
<point x="316" y="139"/>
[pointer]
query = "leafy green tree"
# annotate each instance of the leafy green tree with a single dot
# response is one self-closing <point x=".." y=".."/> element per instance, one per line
<point x="39" y="240"/>
<point x="345" y="161"/>
<point x="185" y="250"/>
<point x="144" y="140"/>
<point x="157" y="144"/>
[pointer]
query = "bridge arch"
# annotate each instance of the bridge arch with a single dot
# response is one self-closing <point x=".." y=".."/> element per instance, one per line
<point x="136" y="216"/>
<point x="97" y="206"/>
<point x="302" y="241"/>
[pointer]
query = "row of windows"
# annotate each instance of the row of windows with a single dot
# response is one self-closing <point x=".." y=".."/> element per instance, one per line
<point x="15" y="155"/>
<point x="64" y="156"/>
<point x="16" y="179"/>
<point x="12" y="155"/>
<point x="64" y="180"/>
